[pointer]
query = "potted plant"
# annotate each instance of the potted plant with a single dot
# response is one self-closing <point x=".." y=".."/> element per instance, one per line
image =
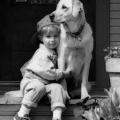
<point x="100" y="108"/>
<point x="112" y="62"/>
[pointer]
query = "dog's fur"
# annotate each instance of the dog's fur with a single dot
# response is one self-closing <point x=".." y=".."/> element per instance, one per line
<point x="75" y="51"/>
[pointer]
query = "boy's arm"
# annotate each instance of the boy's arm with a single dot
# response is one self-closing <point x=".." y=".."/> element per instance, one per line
<point x="52" y="74"/>
<point x="57" y="74"/>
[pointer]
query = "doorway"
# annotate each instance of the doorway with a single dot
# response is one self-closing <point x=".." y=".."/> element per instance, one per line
<point x="18" y="24"/>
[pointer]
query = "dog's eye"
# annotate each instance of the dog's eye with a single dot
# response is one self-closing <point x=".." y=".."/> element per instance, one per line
<point x="64" y="7"/>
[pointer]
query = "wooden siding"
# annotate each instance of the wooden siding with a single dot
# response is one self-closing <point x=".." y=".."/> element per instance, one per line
<point x="115" y="22"/>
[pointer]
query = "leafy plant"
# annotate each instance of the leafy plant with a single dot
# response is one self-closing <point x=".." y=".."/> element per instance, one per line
<point x="108" y="109"/>
<point x="85" y="109"/>
<point x="112" y="52"/>
<point x="99" y="109"/>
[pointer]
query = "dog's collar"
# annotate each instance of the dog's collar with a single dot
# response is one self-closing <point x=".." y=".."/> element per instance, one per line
<point x="78" y="32"/>
<point x="75" y="34"/>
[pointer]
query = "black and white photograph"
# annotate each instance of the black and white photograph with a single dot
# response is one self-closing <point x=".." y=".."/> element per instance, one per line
<point x="60" y="60"/>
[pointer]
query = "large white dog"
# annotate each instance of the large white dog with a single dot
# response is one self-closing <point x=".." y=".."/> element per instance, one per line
<point x="76" y="46"/>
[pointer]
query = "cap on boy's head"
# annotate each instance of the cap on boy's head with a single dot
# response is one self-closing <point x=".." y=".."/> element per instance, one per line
<point x="44" y="22"/>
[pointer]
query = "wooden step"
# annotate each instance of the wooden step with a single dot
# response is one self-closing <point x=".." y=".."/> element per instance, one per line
<point x="42" y="112"/>
<point x="10" y="104"/>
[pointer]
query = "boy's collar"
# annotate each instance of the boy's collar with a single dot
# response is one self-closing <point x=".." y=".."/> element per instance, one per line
<point x="48" y="50"/>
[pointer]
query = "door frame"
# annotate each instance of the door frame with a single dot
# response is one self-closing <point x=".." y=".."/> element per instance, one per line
<point x="102" y="41"/>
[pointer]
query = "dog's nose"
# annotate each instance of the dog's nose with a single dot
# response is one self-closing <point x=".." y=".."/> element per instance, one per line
<point x="52" y="17"/>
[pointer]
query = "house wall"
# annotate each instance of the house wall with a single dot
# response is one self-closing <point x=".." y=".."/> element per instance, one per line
<point x="115" y="22"/>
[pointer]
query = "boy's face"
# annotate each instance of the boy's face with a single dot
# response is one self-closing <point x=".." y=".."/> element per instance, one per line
<point x="51" y="40"/>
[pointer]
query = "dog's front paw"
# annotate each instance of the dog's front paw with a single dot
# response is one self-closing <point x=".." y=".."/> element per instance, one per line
<point x="84" y="93"/>
<point x="85" y="96"/>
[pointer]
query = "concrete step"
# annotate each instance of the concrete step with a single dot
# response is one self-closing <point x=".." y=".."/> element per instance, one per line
<point x="42" y="112"/>
<point x="10" y="104"/>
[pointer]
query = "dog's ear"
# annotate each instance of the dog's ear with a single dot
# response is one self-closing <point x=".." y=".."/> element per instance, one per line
<point x="77" y="7"/>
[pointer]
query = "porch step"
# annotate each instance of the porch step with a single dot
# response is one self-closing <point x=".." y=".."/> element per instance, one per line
<point x="10" y="104"/>
<point x="7" y="111"/>
<point x="42" y="112"/>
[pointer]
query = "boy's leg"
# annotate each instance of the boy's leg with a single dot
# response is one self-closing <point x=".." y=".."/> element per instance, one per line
<point x="58" y="97"/>
<point x="57" y="113"/>
<point x="33" y="90"/>
<point x="24" y="110"/>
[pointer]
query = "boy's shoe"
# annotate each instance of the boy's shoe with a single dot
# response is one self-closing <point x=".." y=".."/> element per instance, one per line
<point x="56" y="119"/>
<point x="26" y="117"/>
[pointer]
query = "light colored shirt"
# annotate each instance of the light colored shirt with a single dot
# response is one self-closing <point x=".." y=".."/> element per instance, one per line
<point x="41" y="65"/>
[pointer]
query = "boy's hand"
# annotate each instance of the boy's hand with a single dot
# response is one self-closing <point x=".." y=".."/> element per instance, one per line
<point x="59" y="74"/>
<point x="67" y="74"/>
<point x="63" y="74"/>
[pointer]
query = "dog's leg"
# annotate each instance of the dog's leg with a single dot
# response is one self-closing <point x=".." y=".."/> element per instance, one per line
<point x="61" y="60"/>
<point x="62" y="49"/>
<point x="85" y="73"/>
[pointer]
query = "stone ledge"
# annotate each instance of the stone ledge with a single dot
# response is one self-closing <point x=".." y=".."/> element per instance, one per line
<point x="44" y="110"/>
<point x="10" y="105"/>
<point x="15" y="97"/>
<point x="12" y="97"/>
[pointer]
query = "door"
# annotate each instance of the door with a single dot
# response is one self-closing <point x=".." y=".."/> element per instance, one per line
<point x="17" y="27"/>
<point x="102" y="41"/>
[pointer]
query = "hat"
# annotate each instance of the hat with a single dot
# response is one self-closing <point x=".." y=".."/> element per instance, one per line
<point x="44" y="22"/>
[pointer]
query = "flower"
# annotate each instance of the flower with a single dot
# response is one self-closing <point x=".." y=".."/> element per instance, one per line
<point x="112" y="52"/>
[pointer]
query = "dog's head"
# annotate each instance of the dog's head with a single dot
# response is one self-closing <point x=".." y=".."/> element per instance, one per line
<point x="68" y="10"/>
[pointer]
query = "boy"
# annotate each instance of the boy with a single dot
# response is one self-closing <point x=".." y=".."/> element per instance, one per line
<point x="40" y="75"/>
